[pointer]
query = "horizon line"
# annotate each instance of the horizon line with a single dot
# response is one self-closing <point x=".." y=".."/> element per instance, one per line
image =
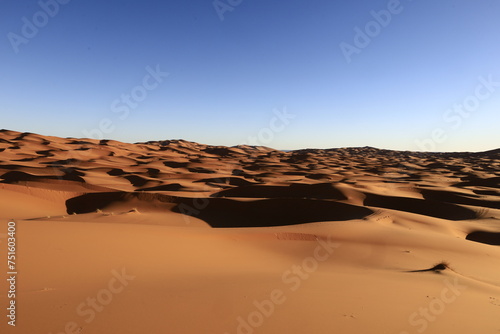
<point x="151" y="142"/>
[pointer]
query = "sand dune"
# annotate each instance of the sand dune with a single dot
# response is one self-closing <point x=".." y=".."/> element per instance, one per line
<point x="180" y="237"/>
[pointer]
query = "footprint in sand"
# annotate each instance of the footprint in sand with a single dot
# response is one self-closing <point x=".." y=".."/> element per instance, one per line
<point x="494" y="301"/>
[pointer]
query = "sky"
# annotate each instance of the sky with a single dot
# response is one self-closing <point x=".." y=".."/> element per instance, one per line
<point x="408" y="75"/>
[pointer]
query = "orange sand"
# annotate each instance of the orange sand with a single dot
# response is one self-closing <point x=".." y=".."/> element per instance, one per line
<point x="179" y="237"/>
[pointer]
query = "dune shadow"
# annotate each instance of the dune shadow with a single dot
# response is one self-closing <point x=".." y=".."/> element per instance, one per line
<point x="438" y="268"/>
<point x="136" y="180"/>
<point x="18" y="176"/>
<point x="419" y="206"/>
<point x="458" y="198"/>
<point x="489" y="238"/>
<point x="164" y="187"/>
<point x="233" y="181"/>
<point x="175" y="164"/>
<point x="222" y="212"/>
<point x="201" y="170"/>
<point x="97" y="201"/>
<point x="116" y="172"/>
<point x="492" y="182"/>
<point x="295" y="190"/>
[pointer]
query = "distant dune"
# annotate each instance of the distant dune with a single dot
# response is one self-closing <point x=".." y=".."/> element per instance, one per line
<point x="250" y="239"/>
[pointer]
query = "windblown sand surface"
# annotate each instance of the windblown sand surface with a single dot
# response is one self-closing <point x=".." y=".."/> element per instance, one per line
<point x="178" y="237"/>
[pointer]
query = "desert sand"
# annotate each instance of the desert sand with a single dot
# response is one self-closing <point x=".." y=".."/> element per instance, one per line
<point x="185" y="238"/>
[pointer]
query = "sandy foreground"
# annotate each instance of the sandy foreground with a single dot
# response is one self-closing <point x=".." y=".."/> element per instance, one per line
<point x="179" y="237"/>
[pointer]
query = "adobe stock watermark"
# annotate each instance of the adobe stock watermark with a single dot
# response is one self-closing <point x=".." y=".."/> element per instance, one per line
<point x="89" y="308"/>
<point x="31" y="26"/>
<point x="123" y="107"/>
<point x="363" y="37"/>
<point x="455" y="116"/>
<point x="223" y="6"/>
<point x="293" y="279"/>
<point x="421" y="319"/>
<point x="127" y="102"/>
<point x="278" y="123"/>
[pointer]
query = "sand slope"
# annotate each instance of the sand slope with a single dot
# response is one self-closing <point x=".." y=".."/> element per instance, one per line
<point x="180" y="237"/>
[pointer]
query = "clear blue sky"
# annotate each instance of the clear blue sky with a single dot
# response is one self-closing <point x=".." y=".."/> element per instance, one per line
<point x="227" y="78"/>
